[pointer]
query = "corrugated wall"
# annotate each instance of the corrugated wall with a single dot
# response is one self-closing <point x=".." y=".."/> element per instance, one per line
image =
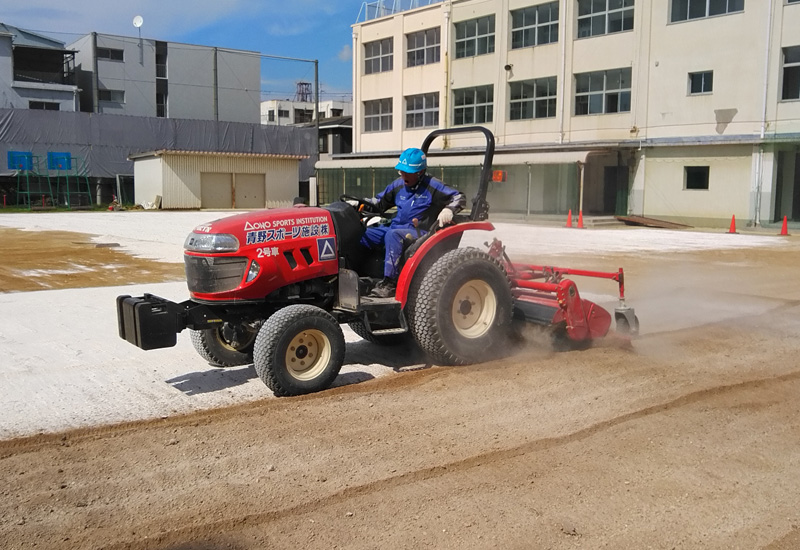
<point x="181" y="176"/>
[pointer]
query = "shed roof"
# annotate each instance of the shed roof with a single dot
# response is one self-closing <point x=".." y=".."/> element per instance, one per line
<point x="172" y="152"/>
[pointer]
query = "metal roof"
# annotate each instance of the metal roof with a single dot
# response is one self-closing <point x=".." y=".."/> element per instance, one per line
<point x="21" y="37"/>
<point x="164" y="152"/>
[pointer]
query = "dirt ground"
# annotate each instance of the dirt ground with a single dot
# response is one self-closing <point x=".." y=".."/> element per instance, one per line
<point x="688" y="438"/>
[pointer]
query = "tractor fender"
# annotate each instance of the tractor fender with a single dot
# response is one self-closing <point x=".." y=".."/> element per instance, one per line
<point x="412" y="265"/>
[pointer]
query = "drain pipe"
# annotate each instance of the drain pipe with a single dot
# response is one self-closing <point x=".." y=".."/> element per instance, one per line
<point x="760" y="158"/>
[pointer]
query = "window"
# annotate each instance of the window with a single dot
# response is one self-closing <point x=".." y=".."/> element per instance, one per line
<point x="475" y="37"/>
<point x="423" y="47"/>
<point x="378" y="56"/>
<point x="696" y="177"/>
<point x="161" y="60"/>
<point x="44" y="105"/>
<point x="337" y="112"/>
<point x="115" y="96"/>
<point x="701" y="83"/>
<point x="323" y="143"/>
<point x="473" y="105"/>
<point x="596" y="17"/>
<point x="603" y="92"/>
<point x="683" y="10"/>
<point x="422" y="110"/>
<point x="303" y="116"/>
<point x="271" y="115"/>
<point x="792" y="1"/>
<point x="791" y="73"/>
<point x="161" y="105"/>
<point x="533" y="99"/>
<point x="378" y="115"/>
<point x="111" y="54"/>
<point x="534" y="25"/>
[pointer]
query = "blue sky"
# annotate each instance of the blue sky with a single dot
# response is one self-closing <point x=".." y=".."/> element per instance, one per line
<point x="307" y="29"/>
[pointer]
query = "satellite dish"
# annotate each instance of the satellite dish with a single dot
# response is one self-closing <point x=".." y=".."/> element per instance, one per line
<point x="137" y="21"/>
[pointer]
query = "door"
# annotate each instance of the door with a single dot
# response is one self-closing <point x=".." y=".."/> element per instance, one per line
<point x="250" y="191"/>
<point x="216" y="190"/>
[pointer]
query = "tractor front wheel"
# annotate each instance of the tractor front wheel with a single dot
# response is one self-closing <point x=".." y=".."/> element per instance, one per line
<point x="299" y="349"/>
<point x="462" y="310"/>
<point x="228" y="345"/>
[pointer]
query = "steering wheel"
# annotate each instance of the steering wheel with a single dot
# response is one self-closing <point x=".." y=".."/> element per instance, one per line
<point x="362" y="204"/>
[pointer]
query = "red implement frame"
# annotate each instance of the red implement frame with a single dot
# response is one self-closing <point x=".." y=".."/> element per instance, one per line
<point x="555" y="299"/>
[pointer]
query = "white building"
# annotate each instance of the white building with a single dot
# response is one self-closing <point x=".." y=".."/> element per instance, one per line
<point x="143" y="77"/>
<point x="287" y="112"/>
<point x="683" y="110"/>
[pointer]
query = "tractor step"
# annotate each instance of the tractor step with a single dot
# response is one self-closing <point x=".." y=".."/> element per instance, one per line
<point x="387" y="331"/>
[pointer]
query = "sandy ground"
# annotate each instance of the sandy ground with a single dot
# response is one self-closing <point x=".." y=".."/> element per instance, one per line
<point x="685" y="439"/>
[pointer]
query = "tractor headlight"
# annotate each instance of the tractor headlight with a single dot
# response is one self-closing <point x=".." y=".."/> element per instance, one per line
<point x="253" y="272"/>
<point x="211" y="242"/>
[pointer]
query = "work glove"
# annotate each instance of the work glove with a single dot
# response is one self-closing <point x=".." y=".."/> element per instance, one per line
<point x="445" y="217"/>
<point x="353" y="203"/>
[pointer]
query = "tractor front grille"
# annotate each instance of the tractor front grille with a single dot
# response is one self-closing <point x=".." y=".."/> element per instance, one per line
<point x="207" y="274"/>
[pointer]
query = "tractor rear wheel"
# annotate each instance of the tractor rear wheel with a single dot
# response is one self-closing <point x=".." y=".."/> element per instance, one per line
<point x="462" y="310"/>
<point x="228" y="345"/>
<point x="299" y="349"/>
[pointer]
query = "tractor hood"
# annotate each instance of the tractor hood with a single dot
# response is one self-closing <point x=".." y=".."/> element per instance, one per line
<point x="250" y="255"/>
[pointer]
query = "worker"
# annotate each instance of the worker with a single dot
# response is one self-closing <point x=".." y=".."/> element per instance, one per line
<point x="421" y="200"/>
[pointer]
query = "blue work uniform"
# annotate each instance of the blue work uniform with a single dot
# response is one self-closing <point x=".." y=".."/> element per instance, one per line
<point x="422" y="202"/>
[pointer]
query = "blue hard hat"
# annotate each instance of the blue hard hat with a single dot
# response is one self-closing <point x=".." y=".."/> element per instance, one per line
<point x="412" y="161"/>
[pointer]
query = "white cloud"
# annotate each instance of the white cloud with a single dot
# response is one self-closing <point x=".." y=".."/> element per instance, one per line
<point x="346" y="53"/>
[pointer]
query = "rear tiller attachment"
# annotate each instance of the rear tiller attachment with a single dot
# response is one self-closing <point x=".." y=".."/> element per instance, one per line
<point x="543" y="296"/>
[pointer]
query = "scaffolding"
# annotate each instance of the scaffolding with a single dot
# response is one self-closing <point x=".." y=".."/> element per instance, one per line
<point x="33" y="184"/>
<point x="71" y="182"/>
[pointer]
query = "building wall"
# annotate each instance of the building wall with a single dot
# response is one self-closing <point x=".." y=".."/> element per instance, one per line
<point x="148" y="179"/>
<point x="666" y="128"/>
<point x="190" y="79"/>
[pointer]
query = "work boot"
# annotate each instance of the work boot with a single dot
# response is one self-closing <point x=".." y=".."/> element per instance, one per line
<point x="384" y="289"/>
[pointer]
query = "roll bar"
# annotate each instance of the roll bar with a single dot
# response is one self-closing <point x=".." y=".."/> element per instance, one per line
<point x="480" y="207"/>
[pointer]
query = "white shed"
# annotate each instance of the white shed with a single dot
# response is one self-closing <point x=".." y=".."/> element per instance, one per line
<point x="200" y="179"/>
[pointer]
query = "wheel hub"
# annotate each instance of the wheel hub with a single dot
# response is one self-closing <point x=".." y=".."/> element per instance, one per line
<point x="308" y="354"/>
<point x="474" y="308"/>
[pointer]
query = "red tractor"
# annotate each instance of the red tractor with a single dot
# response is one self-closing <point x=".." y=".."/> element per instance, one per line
<point x="272" y="287"/>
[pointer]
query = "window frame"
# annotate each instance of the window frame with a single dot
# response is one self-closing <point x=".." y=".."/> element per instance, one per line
<point x="380" y="60"/>
<point x="606" y="93"/>
<point x="431" y="53"/>
<point x="605" y="16"/>
<point x="382" y="116"/>
<point x="703" y="171"/>
<point x="461" y="107"/>
<point x="429" y="111"/>
<point x="706" y="81"/>
<point x="535" y="29"/>
<point x="532" y="103"/>
<point x="110" y="54"/>
<point x="464" y="28"/>
<point x="110" y="95"/>
<point x="790" y="86"/>
<point x="40" y="105"/>
<point x="738" y="7"/>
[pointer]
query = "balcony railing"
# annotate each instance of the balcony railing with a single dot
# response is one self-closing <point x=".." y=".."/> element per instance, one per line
<point x="44" y="77"/>
<point x="382" y="8"/>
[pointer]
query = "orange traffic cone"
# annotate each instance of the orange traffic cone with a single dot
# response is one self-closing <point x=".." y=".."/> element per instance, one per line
<point x="733" y="225"/>
<point x="784" y="229"/>
<point x="580" y="219"/>
<point x="569" y="218"/>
